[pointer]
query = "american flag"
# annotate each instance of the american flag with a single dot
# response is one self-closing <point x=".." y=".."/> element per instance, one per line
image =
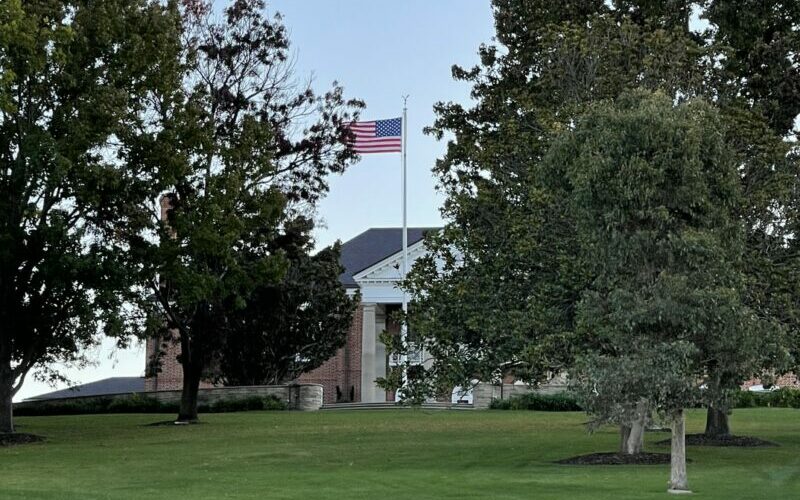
<point x="379" y="136"/>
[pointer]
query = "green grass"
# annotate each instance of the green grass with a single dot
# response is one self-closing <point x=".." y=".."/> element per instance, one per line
<point x="375" y="455"/>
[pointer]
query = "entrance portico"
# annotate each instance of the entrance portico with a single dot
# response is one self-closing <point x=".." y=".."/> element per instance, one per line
<point x="372" y="263"/>
<point x="381" y="297"/>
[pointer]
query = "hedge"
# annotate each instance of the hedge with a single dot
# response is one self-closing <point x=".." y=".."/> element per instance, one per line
<point x="137" y="403"/>
<point x="785" y="397"/>
<point x="561" y="401"/>
<point x="564" y="401"/>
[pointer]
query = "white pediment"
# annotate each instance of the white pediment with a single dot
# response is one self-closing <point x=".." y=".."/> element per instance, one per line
<point x="390" y="269"/>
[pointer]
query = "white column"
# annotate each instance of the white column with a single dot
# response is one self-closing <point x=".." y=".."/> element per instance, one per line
<point x="380" y="350"/>
<point x="368" y="340"/>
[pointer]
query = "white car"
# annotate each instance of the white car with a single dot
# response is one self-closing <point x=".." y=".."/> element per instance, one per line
<point x="461" y="396"/>
<point x="761" y="388"/>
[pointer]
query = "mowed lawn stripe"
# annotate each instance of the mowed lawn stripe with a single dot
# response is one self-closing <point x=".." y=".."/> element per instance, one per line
<point x="376" y="454"/>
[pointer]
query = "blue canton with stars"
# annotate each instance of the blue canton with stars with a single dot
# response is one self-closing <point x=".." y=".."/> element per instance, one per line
<point x="388" y="128"/>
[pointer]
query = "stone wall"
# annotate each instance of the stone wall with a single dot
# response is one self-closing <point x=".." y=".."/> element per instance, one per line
<point x="305" y="397"/>
<point x="483" y="394"/>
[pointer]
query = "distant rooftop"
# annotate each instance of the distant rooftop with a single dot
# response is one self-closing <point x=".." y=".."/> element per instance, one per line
<point x="372" y="246"/>
<point x="105" y="387"/>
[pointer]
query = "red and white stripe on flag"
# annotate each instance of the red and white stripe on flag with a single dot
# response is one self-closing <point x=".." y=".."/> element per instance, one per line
<point x="379" y="136"/>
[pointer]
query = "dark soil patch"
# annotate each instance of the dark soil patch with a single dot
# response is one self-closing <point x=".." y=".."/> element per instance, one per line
<point x="740" y="441"/>
<point x="617" y="459"/>
<point x="16" y="438"/>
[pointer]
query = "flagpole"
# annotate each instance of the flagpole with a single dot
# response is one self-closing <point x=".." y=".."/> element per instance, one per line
<point x="405" y="193"/>
<point x="404" y="325"/>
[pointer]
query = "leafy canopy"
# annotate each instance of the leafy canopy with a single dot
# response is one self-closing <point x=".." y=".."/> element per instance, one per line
<point x="77" y="79"/>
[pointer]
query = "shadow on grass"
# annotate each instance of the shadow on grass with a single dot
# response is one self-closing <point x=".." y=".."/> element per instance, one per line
<point x="616" y="458"/>
<point x="732" y="441"/>
<point x="17" y="438"/>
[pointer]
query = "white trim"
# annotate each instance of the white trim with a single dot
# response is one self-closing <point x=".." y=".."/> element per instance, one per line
<point x="389" y="262"/>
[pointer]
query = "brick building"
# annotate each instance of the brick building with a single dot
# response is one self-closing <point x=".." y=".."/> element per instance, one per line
<point x="372" y="262"/>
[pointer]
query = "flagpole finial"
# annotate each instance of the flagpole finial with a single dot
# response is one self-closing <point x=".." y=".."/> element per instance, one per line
<point x="405" y="100"/>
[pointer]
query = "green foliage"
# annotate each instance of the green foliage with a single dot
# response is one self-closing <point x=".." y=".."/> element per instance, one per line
<point x="655" y="198"/>
<point x="760" y="39"/>
<point x="785" y="397"/>
<point x="78" y="83"/>
<point x="496" y="294"/>
<point x="562" y="401"/>
<point x="245" y="152"/>
<point x="132" y="404"/>
<point x="138" y="403"/>
<point x="295" y="325"/>
<point x="252" y="403"/>
<point x="503" y="287"/>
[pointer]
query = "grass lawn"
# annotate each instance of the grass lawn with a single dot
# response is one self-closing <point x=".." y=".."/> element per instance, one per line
<point x="380" y="454"/>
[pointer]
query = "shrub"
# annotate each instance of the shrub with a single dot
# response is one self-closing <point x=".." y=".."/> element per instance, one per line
<point x="135" y="403"/>
<point x="561" y="401"/>
<point x="251" y="403"/>
<point x="786" y="397"/>
<point x="272" y="403"/>
<point x="138" y="403"/>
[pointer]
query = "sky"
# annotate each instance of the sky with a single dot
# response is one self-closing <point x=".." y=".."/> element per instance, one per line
<point x="379" y="51"/>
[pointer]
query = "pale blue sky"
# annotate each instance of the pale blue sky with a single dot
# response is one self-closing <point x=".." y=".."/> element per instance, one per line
<point x="379" y="51"/>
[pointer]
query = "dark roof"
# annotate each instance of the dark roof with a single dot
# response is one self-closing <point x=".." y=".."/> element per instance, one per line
<point x="372" y="246"/>
<point x="114" y="385"/>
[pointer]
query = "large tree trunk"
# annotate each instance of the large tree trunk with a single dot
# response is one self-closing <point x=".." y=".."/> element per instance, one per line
<point x="717" y="422"/>
<point x="6" y="394"/>
<point x="636" y="438"/>
<point x="191" y="386"/>
<point x="624" y="434"/>
<point x="632" y="436"/>
<point x="678" y="482"/>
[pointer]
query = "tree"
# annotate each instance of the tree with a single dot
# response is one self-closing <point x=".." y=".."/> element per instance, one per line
<point x="76" y="82"/>
<point x="760" y="70"/>
<point x="249" y="150"/>
<point x="293" y="326"/>
<point x="507" y="251"/>
<point x="758" y="90"/>
<point x="655" y="196"/>
<point x="496" y="295"/>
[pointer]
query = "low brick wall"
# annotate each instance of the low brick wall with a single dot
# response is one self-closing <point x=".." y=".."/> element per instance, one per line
<point x="302" y="397"/>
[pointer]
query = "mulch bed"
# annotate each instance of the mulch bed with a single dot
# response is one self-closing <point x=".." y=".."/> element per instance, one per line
<point x="16" y="438"/>
<point x="740" y="441"/>
<point x="617" y="459"/>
